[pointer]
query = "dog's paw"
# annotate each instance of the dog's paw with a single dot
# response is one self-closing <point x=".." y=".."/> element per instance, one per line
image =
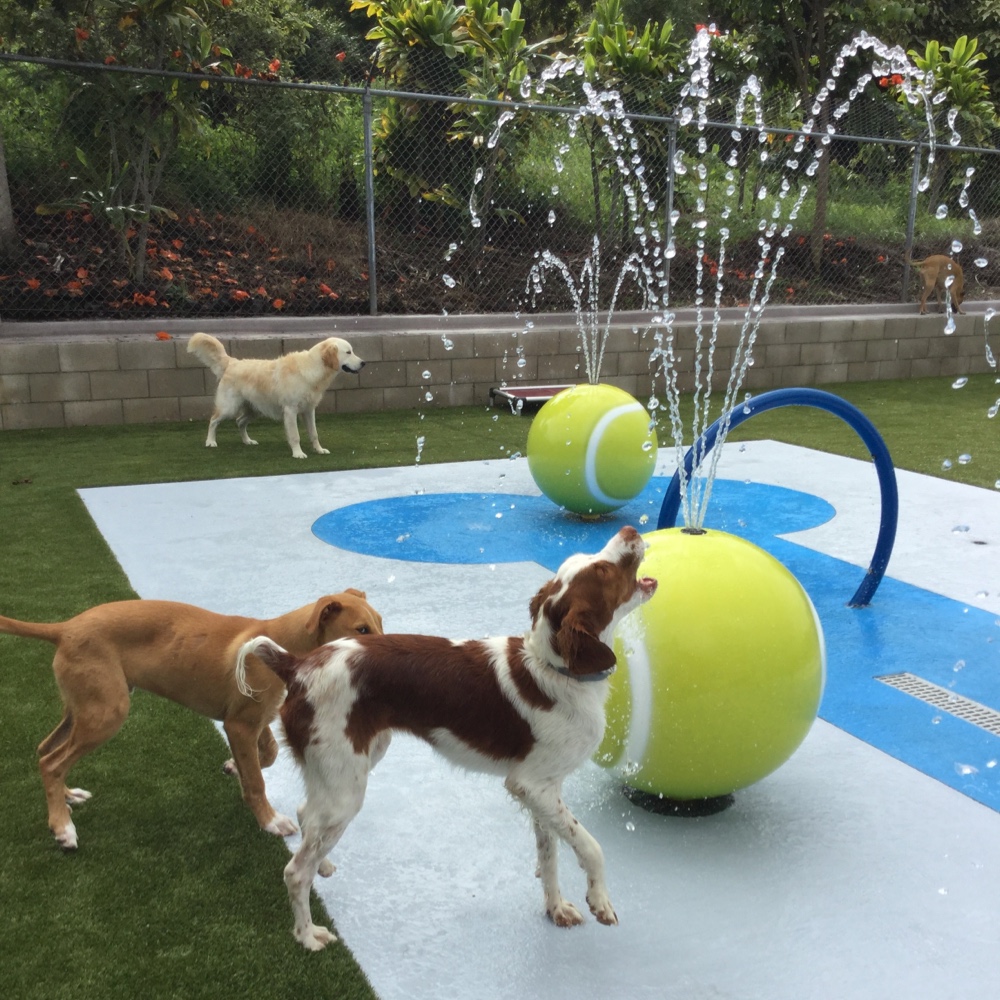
<point x="314" y="937"/>
<point x="74" y="796"/>
<point x="298" y="454"/>
<point x="326" y="868"/>
<point x="282" y="826"/>
<point x="601" y="907"/>
<point x="66" y="837"/>
<point x="211" y="444"/>
<point x="249" y="441"/>
<point x="320" y="450"/>
<point x="565" y="914"/>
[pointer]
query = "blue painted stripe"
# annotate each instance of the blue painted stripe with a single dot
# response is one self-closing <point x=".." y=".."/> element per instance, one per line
<point x="905" y="629"/>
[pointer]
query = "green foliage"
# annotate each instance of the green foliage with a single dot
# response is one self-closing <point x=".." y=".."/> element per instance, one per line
<point x="956" y="71"/>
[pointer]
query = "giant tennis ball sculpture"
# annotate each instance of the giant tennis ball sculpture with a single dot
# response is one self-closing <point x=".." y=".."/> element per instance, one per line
<point x="719" y="674"/>
<point x="591" y="448"/>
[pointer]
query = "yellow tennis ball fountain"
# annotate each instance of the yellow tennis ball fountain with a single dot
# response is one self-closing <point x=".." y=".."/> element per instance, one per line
<point x="719" y="675"/>
<point x="591" y="448"/>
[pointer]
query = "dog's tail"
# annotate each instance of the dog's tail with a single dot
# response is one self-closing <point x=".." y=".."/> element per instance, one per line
<point x="273" y="656"/>
<point x="210" y="352"/>
<point x="50" y="632"/>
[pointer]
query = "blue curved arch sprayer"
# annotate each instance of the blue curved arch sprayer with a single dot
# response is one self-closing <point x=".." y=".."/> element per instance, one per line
<point x="849" y="413"/>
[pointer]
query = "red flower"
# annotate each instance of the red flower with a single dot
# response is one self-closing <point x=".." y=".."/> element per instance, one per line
<point x="81" y="34"/>
<point x="274" y="65"/>
<point x="162" y="335"/>
<point x="340" y="56"/>
<point x="239" y="295"/>
<point x="278" y="303"/>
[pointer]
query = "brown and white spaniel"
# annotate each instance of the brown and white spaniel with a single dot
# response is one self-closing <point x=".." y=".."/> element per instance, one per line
<point x="529" y="708"/>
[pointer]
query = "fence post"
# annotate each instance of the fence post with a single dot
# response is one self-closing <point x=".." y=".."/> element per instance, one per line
<point x="911" y="222"/>
<point x="671" y="153"/>
<point x="366" y="106"/>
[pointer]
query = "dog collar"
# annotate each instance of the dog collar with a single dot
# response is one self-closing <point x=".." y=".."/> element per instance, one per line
<point x="601" y="676"/>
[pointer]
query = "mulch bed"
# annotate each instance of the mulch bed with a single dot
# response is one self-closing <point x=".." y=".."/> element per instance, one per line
<point x="202" y="266"/>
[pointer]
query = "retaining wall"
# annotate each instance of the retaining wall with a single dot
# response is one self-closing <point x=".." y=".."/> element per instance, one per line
<point x="71" y="374"/>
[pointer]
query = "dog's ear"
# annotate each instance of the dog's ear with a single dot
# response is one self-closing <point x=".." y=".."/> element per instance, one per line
<point x="581" y="649"/>
<point x="356" y="593"/>
<point x="322" y="610"/>
<point x="331" y="356"/>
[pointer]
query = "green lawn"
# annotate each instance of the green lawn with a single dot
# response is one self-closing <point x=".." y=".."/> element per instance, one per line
<point x="174" y="891"/>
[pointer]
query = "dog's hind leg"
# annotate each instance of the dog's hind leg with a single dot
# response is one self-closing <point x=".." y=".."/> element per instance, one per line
<point x="552" y="818"/>
<point x="292" y="432"/>
<point x="328" y="810"/>
<point x="73" y="796"/>
<point x="310" y="420"/>
<point x="87" y="728"/>
<point x="243" y="419"/>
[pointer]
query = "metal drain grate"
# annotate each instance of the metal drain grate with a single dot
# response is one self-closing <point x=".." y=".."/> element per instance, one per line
<point x="954" y="704"/>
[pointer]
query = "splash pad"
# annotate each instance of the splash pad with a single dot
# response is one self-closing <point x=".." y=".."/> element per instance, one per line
<point x="647" y="266"/>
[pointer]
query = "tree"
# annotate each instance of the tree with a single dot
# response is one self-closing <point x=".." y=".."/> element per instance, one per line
<point x="797" y="44"/>
<point x="638" y="63"/>
<point x="10" y="242"/>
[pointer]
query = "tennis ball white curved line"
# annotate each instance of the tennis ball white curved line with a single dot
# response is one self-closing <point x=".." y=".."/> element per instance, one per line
<point x="594" y="442"/>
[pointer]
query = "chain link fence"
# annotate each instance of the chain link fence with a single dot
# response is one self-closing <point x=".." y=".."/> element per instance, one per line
<point x="293" y="199"/>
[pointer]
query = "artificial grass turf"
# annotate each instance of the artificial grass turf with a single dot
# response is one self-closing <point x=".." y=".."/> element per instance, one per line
<point x="174" y="891"/>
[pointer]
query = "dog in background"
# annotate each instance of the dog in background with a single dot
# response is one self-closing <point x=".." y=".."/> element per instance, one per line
<point x="529" y="708"/>
<point x="935" y="272"/>
<point x="184" y="653"/>
<point x="280" y="388"/>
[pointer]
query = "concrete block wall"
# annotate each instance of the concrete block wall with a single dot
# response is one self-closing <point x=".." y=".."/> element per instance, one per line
<point x="65" y="375"/>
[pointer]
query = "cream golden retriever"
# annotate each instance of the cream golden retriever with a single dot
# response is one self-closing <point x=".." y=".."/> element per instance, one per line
<point x="280" y="388"/>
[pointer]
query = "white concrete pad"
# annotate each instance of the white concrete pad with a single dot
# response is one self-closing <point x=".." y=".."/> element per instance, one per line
<point x="844" y="874"/>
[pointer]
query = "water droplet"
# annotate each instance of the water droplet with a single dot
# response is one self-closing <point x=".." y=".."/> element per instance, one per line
<point x="552" y="217"/>
<point x="630" y="826"/>
<point x="980" y="262"/>
<point x="647" y="445"/>
<point x="960" y="529"/>
<point x="644" y="519"/>
<point x="447" y="342"/>
<point x="959" y="382"/>
<point x="946" y="464"/>
<point x="965" y="769"/>
<point x="959" y="665"/>
<point x="981" y="595"/>
<point x="448" y="280"/>
<point x="942" y="212"/>
<point x="392" y="577"/>
<point x="428" y="396"/>
<point x="425" y="374"/>
<point x="964" y="459"/>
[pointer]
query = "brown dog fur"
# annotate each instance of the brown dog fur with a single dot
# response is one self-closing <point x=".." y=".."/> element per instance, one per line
<point x="935" y="271"/>
<point x="184" y="653"/>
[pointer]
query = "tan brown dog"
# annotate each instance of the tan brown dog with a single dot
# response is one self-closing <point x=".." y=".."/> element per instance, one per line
<point x="936" y="270"/>
<point x="184" y="653"/>
<point x="280" y="388"/>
